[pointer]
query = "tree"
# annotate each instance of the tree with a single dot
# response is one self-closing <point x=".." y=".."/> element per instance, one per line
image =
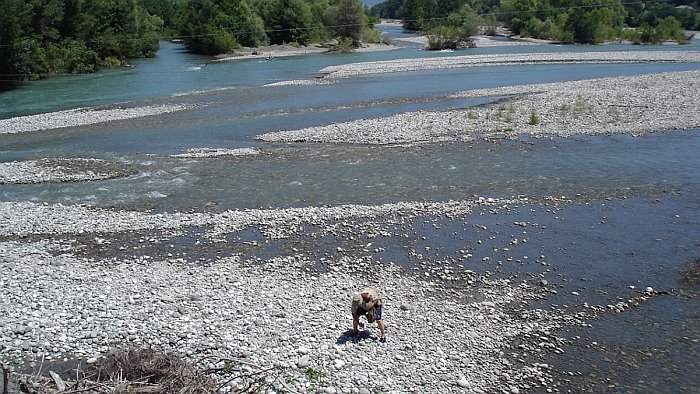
<point x="426" y="14"/>
<point x="205" y="28"/>
<point x="389" y="9"/>
<point x="248" y="27"/>
<point x="286" y="21"/>
<point x="346" y="19"/>
<point x="15" y="42"/>
<point x="456" y="32"/>
<point x="412" y="14"/>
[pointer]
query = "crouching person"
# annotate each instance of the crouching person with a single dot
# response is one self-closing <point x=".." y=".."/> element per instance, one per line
<point x="368" y="303"/>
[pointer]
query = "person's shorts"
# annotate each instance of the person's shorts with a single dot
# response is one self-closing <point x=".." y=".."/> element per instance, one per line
<point x="377" y="308"/>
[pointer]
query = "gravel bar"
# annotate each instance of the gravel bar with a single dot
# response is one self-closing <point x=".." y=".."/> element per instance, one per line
<point x="26" y="218"/>
<point x="56" y="170"/>
<point x="631" y="104"/>
<point x="81" y="117"/>
<point x="195" y="153"/>
<point x="446" y="62"/>
<point x="277" y="314"/>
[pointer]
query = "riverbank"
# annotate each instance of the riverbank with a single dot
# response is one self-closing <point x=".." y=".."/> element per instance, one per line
<point x="629" y="105"/>
<point x="56" y="170"/>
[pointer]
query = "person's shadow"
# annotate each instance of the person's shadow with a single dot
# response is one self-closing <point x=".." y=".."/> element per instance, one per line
<point x="347" y="336"/>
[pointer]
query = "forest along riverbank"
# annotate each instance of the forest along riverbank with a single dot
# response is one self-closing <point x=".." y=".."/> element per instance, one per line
<point x="82" y="281"/>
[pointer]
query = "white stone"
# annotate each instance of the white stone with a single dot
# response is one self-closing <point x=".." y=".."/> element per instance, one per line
<point x="303" y="362"/>
<point x="462" y="382"/>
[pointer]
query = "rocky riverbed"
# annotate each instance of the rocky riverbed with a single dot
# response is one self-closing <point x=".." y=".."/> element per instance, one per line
<point x="631" y="105"/>
<point x="265" y="292"/>
<point x="81" y="117"/>
<point x="61" y="170"/>
<point x="80" y="282"/>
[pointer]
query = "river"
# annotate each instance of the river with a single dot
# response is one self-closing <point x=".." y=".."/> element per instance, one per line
<point x="636" y="224"/>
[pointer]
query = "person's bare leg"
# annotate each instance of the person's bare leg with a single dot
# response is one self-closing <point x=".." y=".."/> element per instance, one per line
<point x="355" y="323"/>
<point x="380" y="324"/>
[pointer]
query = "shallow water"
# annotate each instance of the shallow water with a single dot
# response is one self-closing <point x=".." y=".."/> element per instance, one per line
<point x="635" y="221"/>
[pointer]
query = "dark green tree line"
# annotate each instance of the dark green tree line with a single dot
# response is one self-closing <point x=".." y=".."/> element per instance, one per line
<point x="42" y="37"/>
<point x="595" y="21"/>
<point x="570" y="21"/>
<point x="218" y="26"/>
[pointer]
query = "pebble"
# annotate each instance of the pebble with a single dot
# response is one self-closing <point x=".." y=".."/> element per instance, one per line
<point x="303" y="362"/>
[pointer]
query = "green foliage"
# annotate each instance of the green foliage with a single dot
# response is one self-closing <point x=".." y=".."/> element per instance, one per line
<point x="111" y="62"/>
<point x="286" y="21"/>
<point x="534" y="118"/>
<point x="312" y="374"/>
<point x="448" y="23"/>
<point x="344" y="45"/>
<point x="652" y="14"/>
<point x="43" y="37"/>
<point x="597" y="21"/>
<point x="246" y="25"/>
<point x="371" y="35"/>
<point x="206" y="29"/>
<point x="443" y="37"/>
<point x="346" y="19"/>
<point x="427" y="14"/>
<point x="389" y="9"/>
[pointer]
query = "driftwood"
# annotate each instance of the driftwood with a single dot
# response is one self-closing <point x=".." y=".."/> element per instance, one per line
<point x="145" y="371"/>
<point x="142" y="371"/>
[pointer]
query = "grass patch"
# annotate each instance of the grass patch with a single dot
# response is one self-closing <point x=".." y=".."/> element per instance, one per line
<point x="581" y="107"/>
<point x="534" y="119"/>
<point x="614" y="115"/>
<point x="312" y="374"/>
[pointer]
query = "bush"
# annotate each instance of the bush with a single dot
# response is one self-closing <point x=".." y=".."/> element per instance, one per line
<point x="344" y="45"/>
<point x="371" y="35"/>
<point x="112" y="62"/>
<point x="443" y="37"/>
